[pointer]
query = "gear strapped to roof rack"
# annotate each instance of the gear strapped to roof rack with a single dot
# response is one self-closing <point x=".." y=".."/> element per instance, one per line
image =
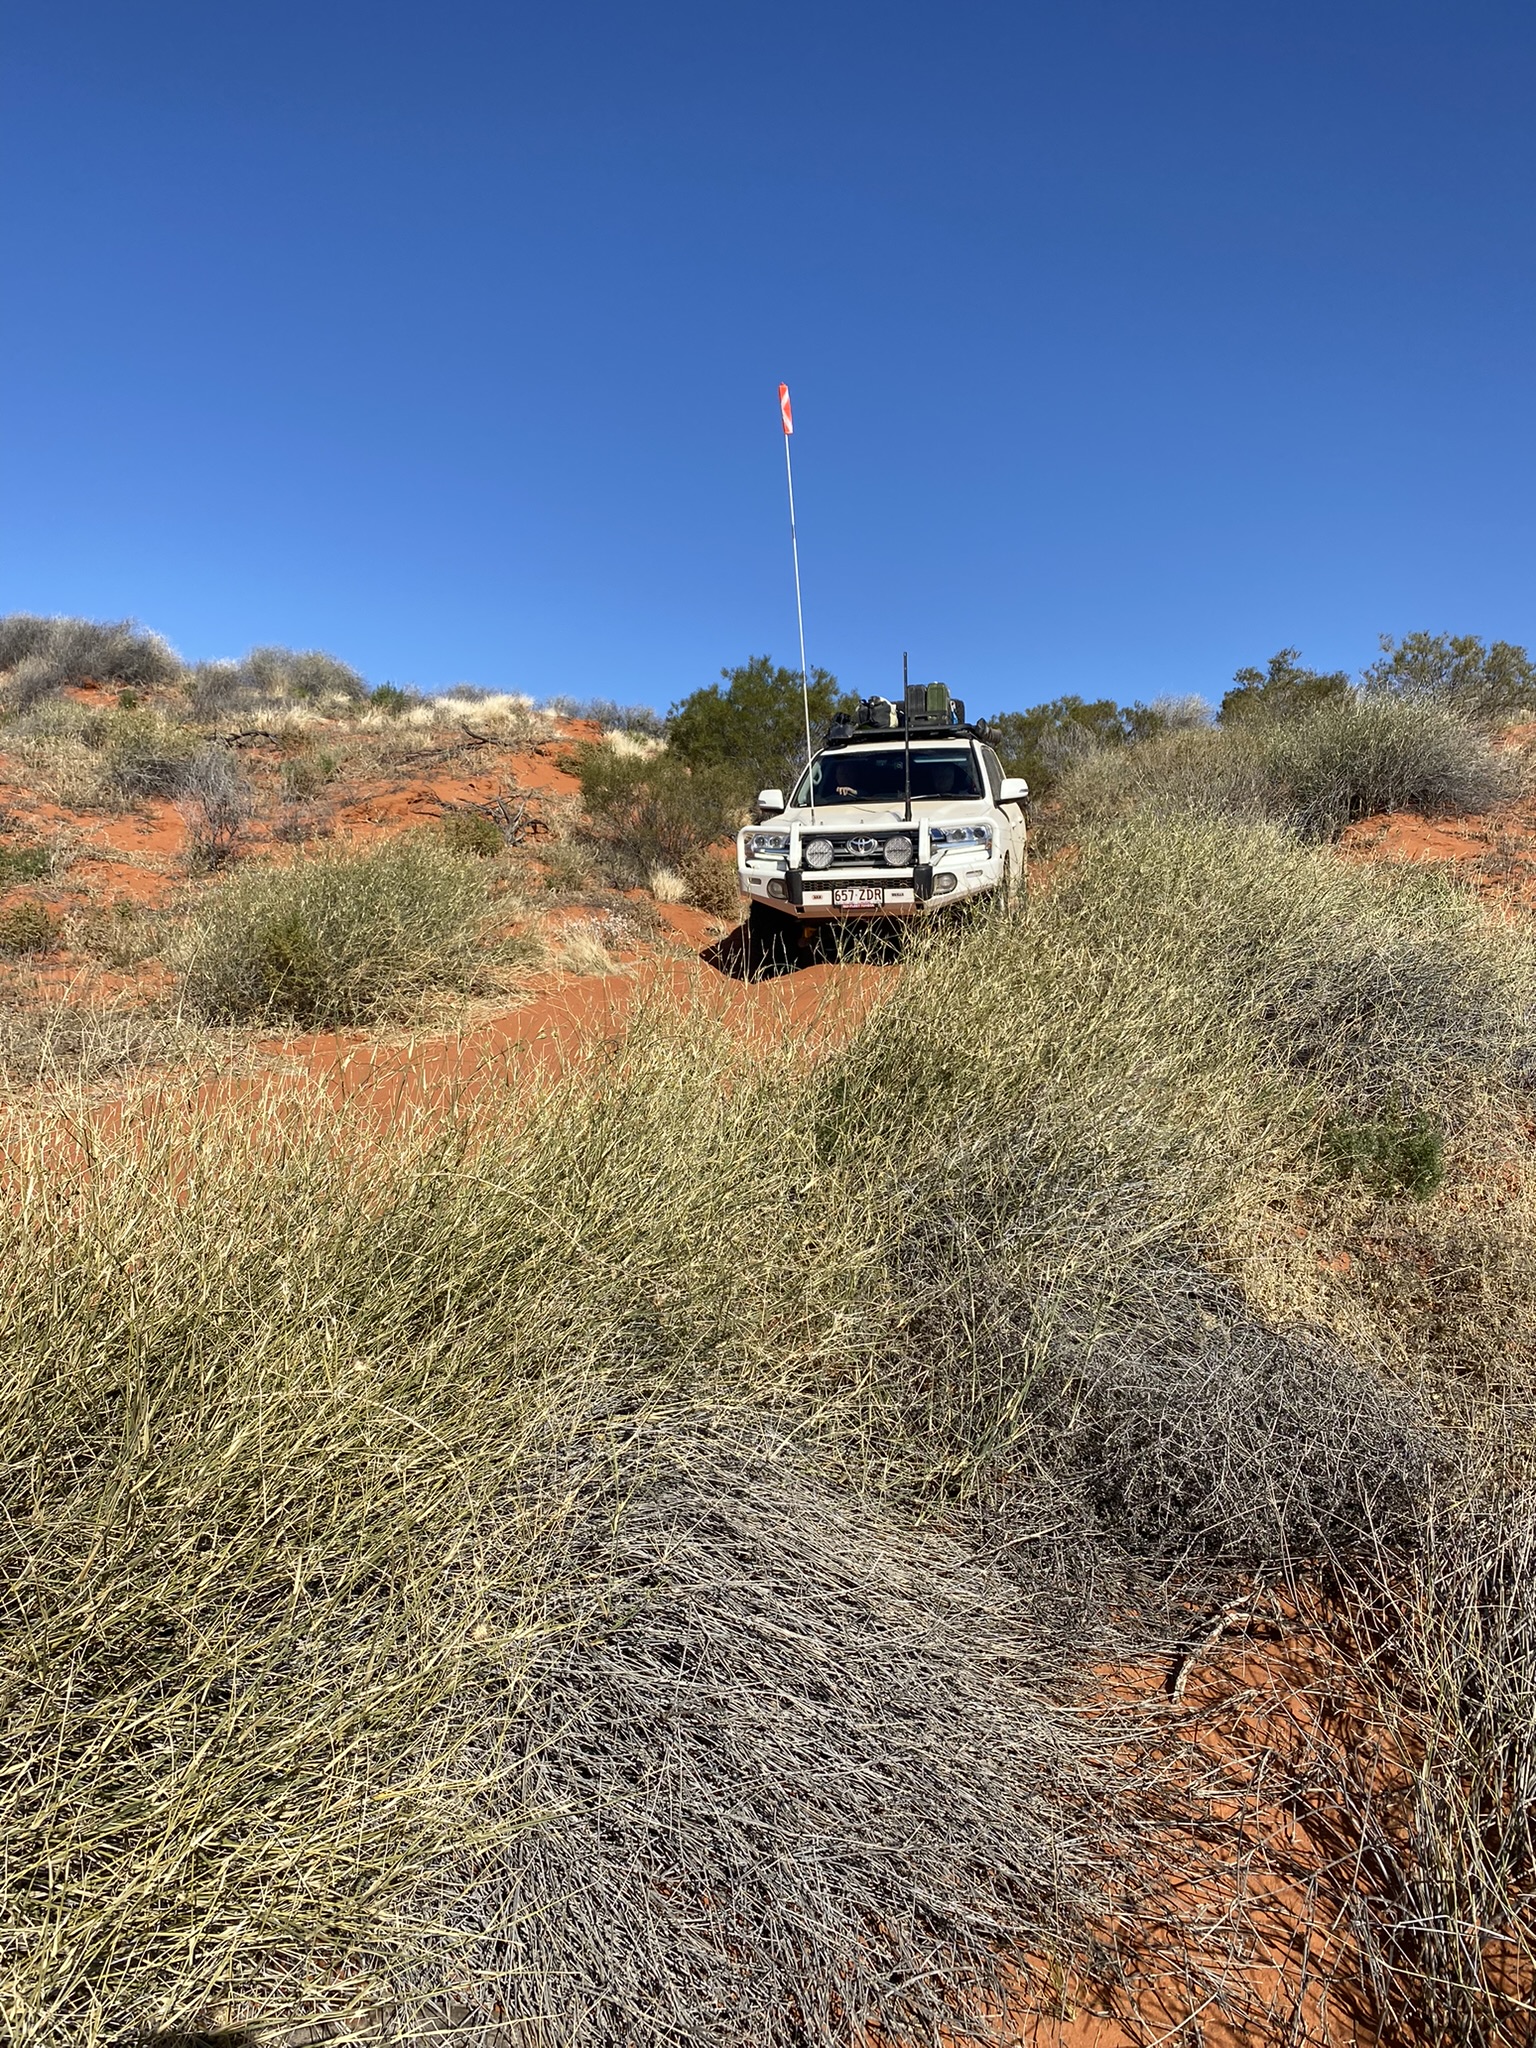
<point x="878" y="721"/>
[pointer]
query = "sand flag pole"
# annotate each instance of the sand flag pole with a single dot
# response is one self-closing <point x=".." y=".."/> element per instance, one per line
<point x="788" y="419"/>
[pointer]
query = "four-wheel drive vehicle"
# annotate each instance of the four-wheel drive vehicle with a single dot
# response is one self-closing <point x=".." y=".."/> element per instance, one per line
<point x="887" y="821"/>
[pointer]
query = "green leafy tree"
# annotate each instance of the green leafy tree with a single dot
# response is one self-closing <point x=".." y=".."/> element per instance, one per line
<point x="1284" y="690"/>
<point x="1039" y="743"/>
<point x="1490" y="683"/>
<point x="752" y="730"/>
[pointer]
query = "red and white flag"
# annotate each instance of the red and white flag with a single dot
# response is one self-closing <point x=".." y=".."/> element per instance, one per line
<point x="784" y="412"/>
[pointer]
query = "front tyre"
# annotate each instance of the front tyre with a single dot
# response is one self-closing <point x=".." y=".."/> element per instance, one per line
<point x="773" y="939"/>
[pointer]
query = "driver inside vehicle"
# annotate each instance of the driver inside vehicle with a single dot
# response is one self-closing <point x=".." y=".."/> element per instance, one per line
<point x="880" y="777"/>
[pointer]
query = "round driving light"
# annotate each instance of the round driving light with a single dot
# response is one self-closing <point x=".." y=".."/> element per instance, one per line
<point x="898" y="851"/>
<point x="776" y="888"/>
<point x="819" y="854"/>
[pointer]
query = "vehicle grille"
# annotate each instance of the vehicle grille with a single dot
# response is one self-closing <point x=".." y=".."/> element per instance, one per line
<point x="869" y="852"/>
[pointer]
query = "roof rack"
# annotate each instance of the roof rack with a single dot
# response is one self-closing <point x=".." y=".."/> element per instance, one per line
<point x="845" y="732"/>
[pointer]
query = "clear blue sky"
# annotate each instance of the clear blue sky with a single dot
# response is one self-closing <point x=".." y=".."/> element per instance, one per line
<point x="1128" y="342"/>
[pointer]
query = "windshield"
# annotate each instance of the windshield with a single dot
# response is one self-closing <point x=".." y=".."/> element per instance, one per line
<point x="869" y="775"/>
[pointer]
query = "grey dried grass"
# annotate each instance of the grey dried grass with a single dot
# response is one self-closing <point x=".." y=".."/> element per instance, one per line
<point x="45" y="654"/>
<point x="805" y="1777"/>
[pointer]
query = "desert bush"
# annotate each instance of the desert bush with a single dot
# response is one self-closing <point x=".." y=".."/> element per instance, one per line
<point x="667" y="886"/>
<point x="1488" y="685"/>
<point x="392" y="700"/>
<point x="651" y="810"/>
<point x="1371" y="753"/>
<point x="22" y="636"/>
<point x="144" y="755"/>
<point x="639" y="719"/>
<point x="710" y="877"/>
<point x="270" y="680"/>
<point x="215" y="801"/>
<point x="121" y="934"/>
<point x="305" y="677"/>
<point x="1456" y="1922"/>
<point x="66" y="1046"/>
<point x="1316" y="772"/>
<point x="306" y="773"/>
<point x="47" y="654"/>
<point x="23" y="864"/>
<point x="570" y="864"/>
<point x="1041" y="742"/>
<point x="582" y="947"/>
<point x="27" y="927"/>
<point x="338" y="940"/>
<point x="472" y="833"/>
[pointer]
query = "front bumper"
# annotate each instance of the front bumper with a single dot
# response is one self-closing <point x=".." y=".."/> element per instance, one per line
<point x="915" y="892"/>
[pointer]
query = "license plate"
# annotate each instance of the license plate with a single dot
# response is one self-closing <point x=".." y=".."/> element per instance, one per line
<point x="858" y="899"/>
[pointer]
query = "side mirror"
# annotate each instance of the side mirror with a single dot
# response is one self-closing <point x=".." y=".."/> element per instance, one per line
<point x="769" y="801"/>
<point x="1015" y="790"/>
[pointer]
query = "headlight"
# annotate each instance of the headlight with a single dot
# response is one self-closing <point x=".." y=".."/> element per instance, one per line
<point x="818" y="854"/>
<point x="898" y="851"/>
<point x="761" y="844"/>
<point x="962" y="835"/>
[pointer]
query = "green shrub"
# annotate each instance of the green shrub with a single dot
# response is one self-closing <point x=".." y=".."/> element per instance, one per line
<point x="27" y="927"/>
<point x="340" y="940"/>
<point x="1397" y="1155"/>
<point x="652" y="810"/>
<point x="473" y="833"/>
<point x="23" y="864"/>
<point x="392" y="700"/>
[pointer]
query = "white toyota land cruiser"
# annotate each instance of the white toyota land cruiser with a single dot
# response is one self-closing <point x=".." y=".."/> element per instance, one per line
<point x="903" y="813"/>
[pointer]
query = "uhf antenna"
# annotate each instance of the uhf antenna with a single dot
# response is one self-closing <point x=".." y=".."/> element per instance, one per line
<point x="788" y="419"/>
<point x="906" y="727"/>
